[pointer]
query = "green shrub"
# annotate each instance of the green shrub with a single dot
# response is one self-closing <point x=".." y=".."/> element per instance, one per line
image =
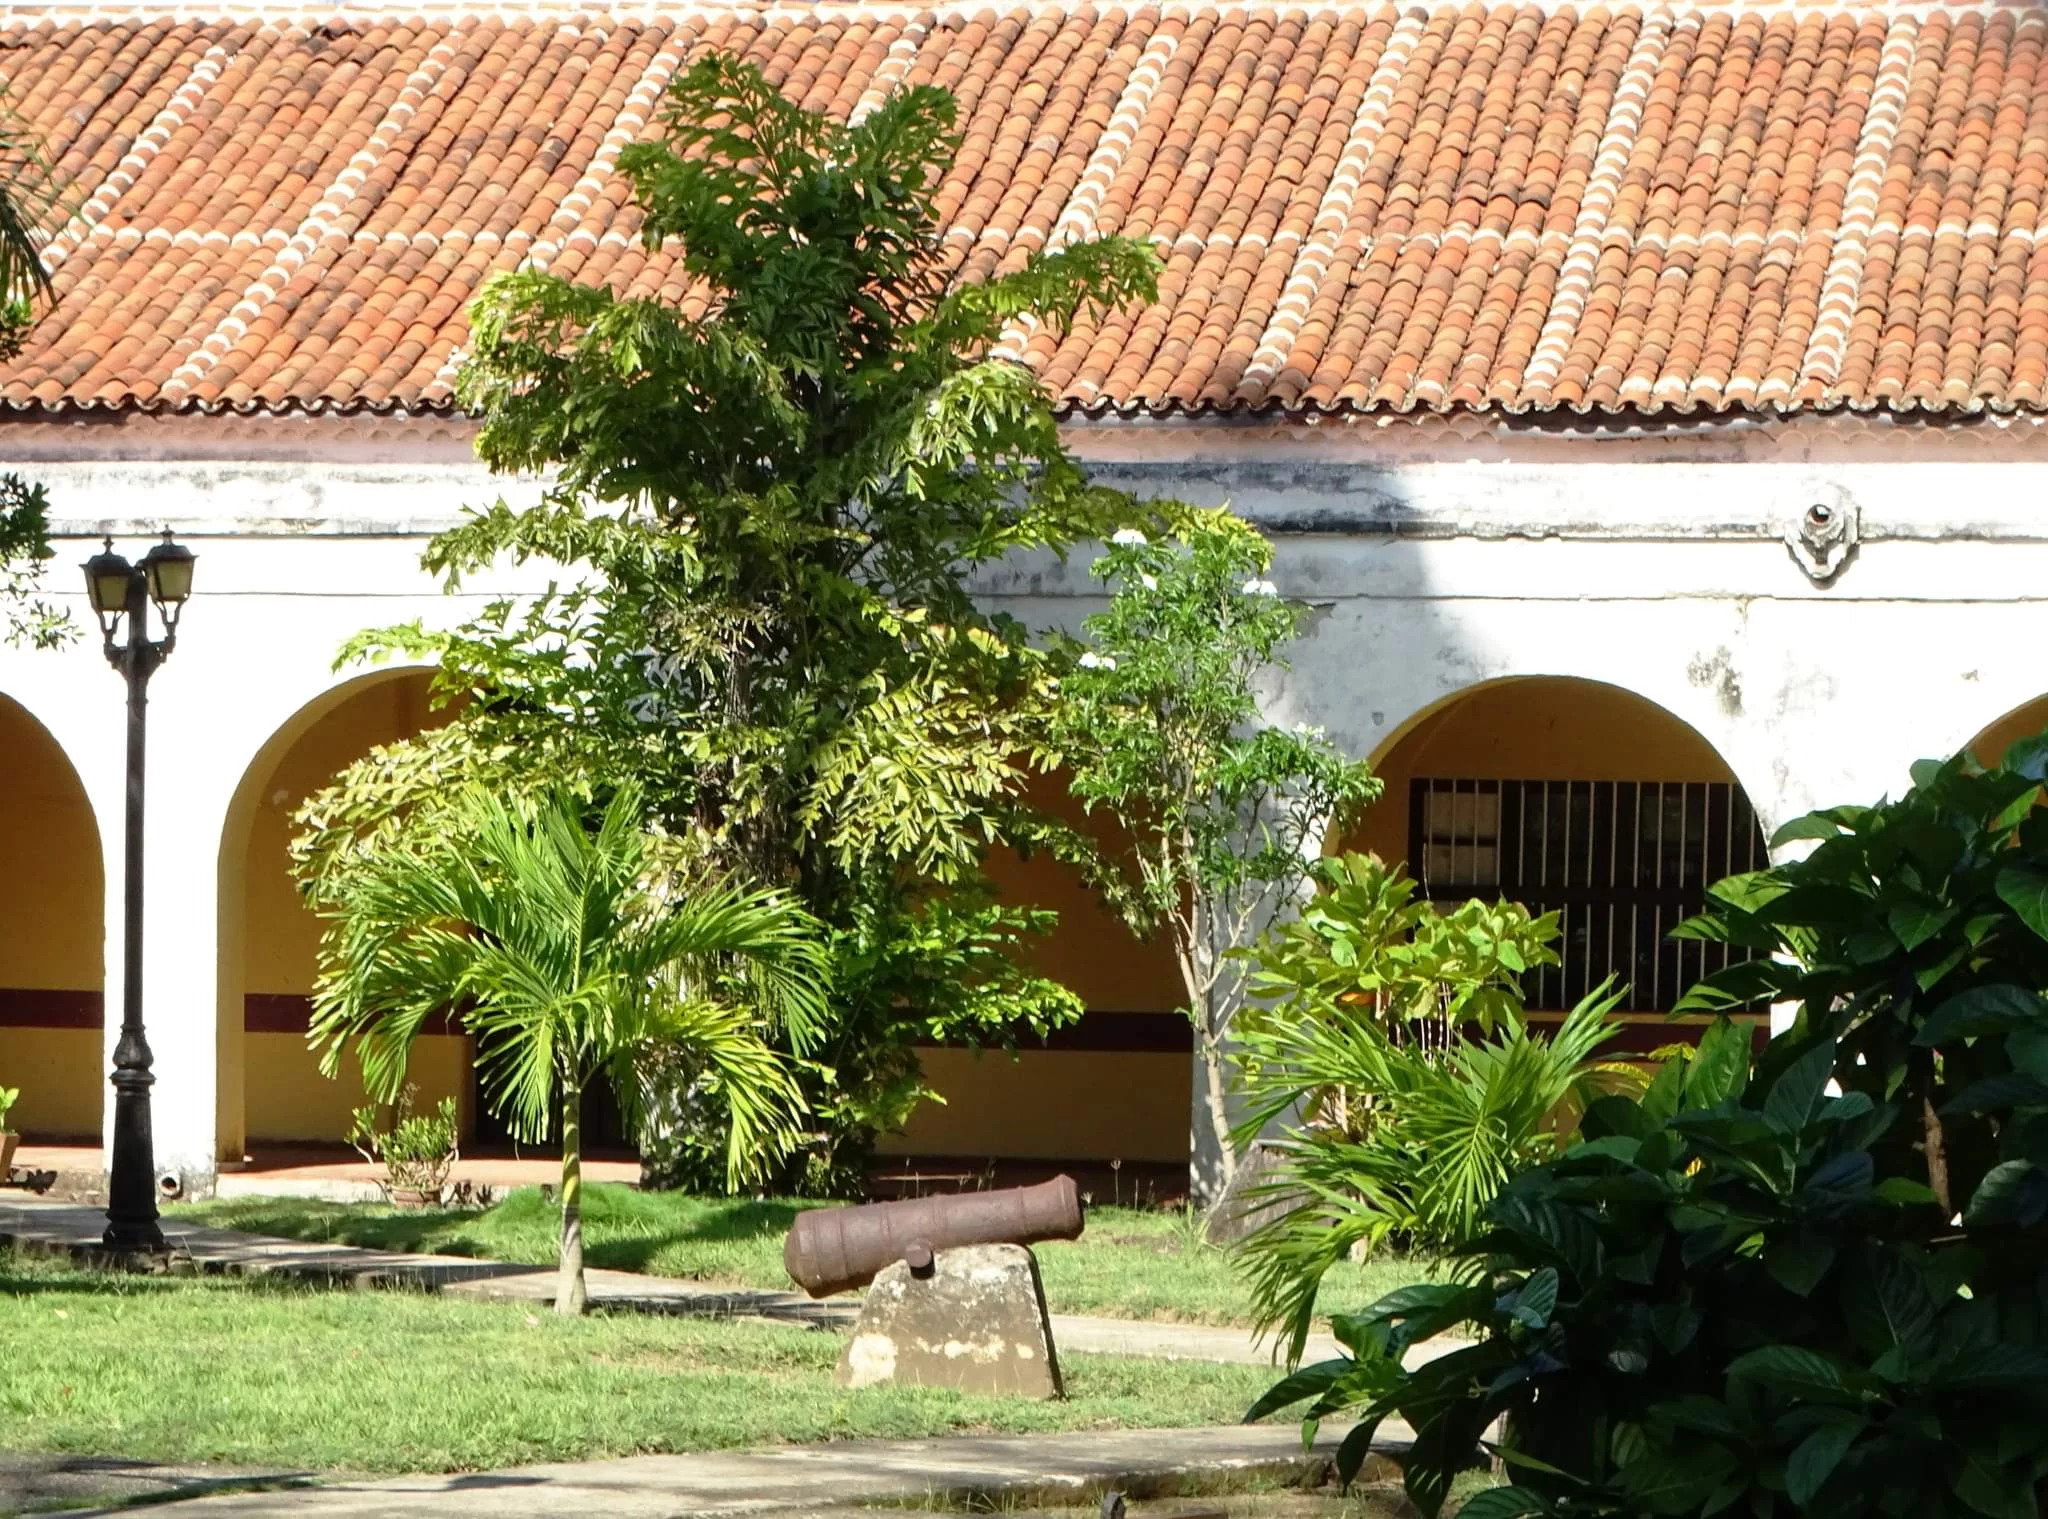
<point x="9" y="1096"/>
<point x="1743" y="1292"/>
<point x="1397" y="1124"/>
<point x="419" y="1149"/>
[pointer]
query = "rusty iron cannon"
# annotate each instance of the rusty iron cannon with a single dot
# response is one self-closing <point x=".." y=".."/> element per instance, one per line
<point x="833" y="1249"/>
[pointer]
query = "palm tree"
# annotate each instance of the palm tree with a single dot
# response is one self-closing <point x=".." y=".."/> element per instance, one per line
<point x="565" y="963"/>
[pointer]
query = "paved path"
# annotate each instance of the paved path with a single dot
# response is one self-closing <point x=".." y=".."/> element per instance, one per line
<point x="988" y="1471"/>
<point x="70" y="1228"/>
<point x="30" y="1484"/>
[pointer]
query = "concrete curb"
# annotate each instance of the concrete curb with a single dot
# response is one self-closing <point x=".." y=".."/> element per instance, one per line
<point x="981" y="1471"/>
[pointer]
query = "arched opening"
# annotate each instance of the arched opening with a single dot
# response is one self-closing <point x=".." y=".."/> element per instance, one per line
<point x="1114" y="1086"/>
<point x="271" y="1089"/>
<point x="52" y="949"/>
<point x="2022" y="722"/>
<point x="1574" y="797"/>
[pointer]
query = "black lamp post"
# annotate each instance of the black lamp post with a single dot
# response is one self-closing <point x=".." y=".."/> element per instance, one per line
<point x="119" y="589"/>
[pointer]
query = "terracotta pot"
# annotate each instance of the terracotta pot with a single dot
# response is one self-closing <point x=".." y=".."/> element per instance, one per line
<point x="7" y="1143"/>
<point x="414" y="1197"/>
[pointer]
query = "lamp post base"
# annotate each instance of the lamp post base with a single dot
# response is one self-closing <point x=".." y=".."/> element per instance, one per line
<point x="134" y="1239"/>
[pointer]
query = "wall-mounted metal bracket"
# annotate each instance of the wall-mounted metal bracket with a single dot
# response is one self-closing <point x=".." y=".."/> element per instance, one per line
<point x="1822" y="538"/>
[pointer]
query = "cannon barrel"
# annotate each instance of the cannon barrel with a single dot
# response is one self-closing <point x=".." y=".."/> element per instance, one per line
<point x="832" y="1249"/>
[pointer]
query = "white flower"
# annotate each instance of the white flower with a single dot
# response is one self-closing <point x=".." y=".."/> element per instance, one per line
<point x="1094" y="661"/>
<point x="1261" y="588"/>
<point x="1129" y="538"/>
<point x="1148" y="582"/>
<point x="1305" y="731"/>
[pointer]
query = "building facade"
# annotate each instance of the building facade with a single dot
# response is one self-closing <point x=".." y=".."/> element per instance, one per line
<point x="1648" y="403"/>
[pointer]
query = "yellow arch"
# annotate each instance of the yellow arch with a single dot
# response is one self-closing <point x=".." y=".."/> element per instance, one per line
<point x="52" y="935"/>
<point x="1536" y="728"/>
<point x="2023" y="721"/>
<point x="261" y="925"/>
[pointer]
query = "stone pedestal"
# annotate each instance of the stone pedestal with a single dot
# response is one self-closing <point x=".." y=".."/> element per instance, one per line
<point x="975" y="1321"/>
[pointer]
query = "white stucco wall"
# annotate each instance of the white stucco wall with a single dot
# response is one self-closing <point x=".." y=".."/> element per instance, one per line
<point x="1439" y="557"/>
<point x="292" y="561"/>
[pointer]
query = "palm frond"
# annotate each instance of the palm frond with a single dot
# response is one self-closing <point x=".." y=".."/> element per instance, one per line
<point x="539" y="930"/>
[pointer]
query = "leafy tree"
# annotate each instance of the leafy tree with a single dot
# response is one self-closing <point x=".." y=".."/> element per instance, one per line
<point x="1159" y="718"/>
<point x="769" y="496"/>
<point x="24" y="549"/>
<point x="1745" y="1293"/>
<point x="568" y="953"/>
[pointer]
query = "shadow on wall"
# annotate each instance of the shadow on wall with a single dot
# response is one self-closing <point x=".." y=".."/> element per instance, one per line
<point x="52" y="943"/>
<point x="1117" y="1088"/>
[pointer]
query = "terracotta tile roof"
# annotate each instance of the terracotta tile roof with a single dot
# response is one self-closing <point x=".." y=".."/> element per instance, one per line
<point x="1393" y="208"/>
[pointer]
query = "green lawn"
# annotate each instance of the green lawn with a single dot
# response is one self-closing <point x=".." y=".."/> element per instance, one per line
<point x="1128" y="1264"/>
<point x="273" y="1375"/>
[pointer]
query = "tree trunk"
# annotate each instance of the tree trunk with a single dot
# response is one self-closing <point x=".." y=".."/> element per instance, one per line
<point x="570" y="1292"/>
<point x="1212" y="1162"/>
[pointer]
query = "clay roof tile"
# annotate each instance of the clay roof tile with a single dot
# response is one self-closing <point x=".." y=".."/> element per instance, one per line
<point x="1435" y="206"/>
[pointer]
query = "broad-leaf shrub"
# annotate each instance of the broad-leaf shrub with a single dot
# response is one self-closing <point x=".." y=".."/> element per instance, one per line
<point x="1916" y="933"/>
<point x="1741" y="1293"/>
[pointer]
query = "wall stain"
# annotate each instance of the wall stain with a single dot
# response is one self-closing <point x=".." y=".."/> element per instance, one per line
<point x="1716" y="672"/>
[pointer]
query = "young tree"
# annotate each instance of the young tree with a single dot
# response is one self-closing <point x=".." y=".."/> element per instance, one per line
<point x="1159" y="719"/>
<point x="565" y="960"/>
<point x="769" y="496"/>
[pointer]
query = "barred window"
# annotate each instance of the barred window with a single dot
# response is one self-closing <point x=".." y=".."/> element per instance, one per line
<point x="1620" y="862"/>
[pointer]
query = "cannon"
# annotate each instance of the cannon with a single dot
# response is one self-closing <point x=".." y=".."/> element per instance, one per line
<point x="833" y="1249"/>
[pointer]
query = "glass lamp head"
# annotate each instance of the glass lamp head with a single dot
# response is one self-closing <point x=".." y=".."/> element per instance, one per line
<point x="168" y="567"/>
<point x="107" y="575"/>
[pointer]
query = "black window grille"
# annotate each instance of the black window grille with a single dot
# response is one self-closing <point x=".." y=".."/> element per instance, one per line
<point x="1620" y="862"/>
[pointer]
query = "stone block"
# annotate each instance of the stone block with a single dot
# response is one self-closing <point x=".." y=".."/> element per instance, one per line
<point x="975" y="1322"/>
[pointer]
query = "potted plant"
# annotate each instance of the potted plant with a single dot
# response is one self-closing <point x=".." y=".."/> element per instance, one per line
<point x="8" y="1139"/>
<point x="417" y="1152"/>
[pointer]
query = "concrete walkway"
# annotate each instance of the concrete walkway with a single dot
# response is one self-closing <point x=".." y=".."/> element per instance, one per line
<point x="44" y="1481"/>
<point x="73" y="1229"/>
<point x="986" y="1471"/>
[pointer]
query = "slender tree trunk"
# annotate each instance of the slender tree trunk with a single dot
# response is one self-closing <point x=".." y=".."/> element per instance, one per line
<point x="1212" y="1162"/>
<point x="570" y="1293"/>
<point x="1937" y="1158"/>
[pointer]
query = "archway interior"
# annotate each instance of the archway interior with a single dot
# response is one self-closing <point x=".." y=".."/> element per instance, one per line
<point x="2022" y="722"/>
<point x="1575" y="797"/>
<point x="52" y="948"/>
<point x="1115" y="1086"/>
<point x="270" y="938"/>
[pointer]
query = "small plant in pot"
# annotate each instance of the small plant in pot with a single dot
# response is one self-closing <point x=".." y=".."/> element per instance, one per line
<point x="417" y="1152"/>
<point x="8" y="1139"/>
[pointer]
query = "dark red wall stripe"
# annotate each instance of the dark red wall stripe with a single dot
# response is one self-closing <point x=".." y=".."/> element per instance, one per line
<point x="26" y="1007"/>
<point x="1099" y="1032"/>
<point x="291" y="1013"/>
